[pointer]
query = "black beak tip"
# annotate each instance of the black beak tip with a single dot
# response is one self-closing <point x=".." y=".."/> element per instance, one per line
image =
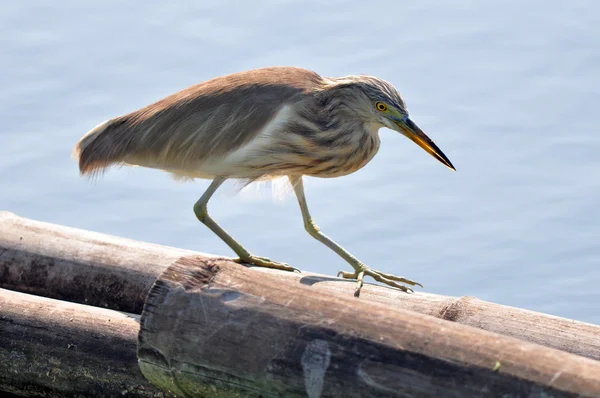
<point x="446" y="162"/>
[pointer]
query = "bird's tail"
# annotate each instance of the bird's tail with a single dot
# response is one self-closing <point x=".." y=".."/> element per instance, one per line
<point x="100" y="148"/>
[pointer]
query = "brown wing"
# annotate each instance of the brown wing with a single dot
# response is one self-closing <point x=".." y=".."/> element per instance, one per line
<point x="212" y="118"/>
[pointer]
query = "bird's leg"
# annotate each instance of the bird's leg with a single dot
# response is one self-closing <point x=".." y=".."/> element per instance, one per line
<point x="201" y="212"/>
<point x="360" y="269"/>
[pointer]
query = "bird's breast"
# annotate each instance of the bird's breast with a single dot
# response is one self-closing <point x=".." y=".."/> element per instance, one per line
<point x="347" y="155"/>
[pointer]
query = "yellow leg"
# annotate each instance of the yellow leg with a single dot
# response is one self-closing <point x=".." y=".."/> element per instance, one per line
<point x="360" y="269"/>
<point x="201" y="211"/>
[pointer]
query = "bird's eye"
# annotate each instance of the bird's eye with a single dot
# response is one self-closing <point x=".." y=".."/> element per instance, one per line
<point x="381" y="106"/>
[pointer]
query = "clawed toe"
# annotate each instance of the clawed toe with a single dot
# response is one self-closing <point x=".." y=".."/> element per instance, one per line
<point x="267" y="263"/>
<point x="388" y="279"/>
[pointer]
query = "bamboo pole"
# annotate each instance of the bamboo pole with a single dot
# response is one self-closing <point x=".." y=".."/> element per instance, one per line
<point x="53" y="348"/>
<point x="215" y="328"/>
<point x="107" y="271"/>
<point x="77" y="265"/>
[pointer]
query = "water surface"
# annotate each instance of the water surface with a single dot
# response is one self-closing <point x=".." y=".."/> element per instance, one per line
<point x="508" y="90"/>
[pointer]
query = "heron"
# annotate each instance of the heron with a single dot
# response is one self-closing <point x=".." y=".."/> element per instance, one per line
<point x="259" y="125"/>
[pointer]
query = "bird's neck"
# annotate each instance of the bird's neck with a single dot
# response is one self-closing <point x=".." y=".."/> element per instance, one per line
<point x="346" y="122"/>
<point x="336" y="123"/>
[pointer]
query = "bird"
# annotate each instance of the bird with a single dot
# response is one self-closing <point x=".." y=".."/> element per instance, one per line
<point x="259" y="125"/>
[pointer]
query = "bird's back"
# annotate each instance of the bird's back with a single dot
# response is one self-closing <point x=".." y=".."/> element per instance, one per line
<point x="207" y="120"/>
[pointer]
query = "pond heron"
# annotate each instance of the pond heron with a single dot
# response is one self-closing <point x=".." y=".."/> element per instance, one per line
<point x="259" y="125"/>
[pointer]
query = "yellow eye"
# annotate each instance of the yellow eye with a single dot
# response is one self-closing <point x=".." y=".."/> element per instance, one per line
<point x="381" y="106"/>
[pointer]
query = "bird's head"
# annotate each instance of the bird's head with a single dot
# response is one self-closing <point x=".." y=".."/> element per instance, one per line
<point x="377" y="101"/>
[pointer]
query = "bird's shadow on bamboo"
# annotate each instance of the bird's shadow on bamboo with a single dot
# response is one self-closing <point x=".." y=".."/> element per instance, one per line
<point x="311" y="280"/>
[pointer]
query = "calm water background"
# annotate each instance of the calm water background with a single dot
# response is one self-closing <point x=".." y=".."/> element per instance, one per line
<point x="509" y="90"/>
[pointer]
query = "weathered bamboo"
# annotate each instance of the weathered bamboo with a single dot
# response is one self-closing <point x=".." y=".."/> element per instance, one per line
<point x="77" y="265"/>
<point x="117" y="273"/>
<point x="213" y="326"/>
<point x="53" y="348"/>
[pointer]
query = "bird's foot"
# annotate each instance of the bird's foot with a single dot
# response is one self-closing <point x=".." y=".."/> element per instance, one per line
<point x="265" y="262"/>
<point x="388" y="279"/>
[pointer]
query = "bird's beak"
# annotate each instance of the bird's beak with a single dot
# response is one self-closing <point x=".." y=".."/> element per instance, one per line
<point x="415" y="134"/>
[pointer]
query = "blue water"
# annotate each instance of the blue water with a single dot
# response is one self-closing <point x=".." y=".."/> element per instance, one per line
<point x="509" y="90"/>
